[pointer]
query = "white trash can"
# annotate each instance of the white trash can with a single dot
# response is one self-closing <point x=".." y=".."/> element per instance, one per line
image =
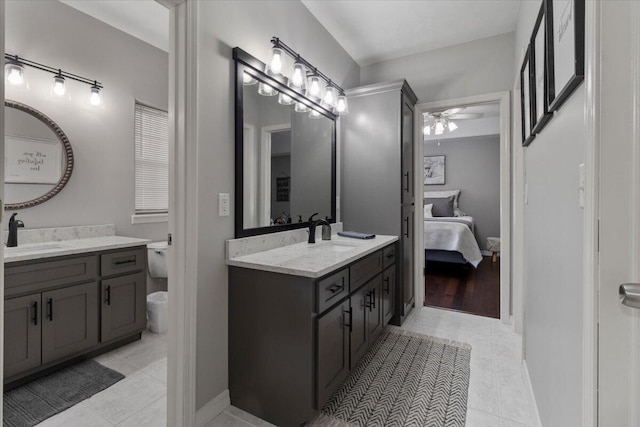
<point x="157" y="312"/>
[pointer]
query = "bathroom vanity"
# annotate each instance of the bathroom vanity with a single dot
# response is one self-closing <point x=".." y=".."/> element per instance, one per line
<point x="300" y="318"/>
<point x="68" y="299"/>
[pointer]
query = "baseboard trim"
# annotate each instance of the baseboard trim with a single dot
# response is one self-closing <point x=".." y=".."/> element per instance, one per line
<point x="532" y="396"/>
<point x="212" y="409"/>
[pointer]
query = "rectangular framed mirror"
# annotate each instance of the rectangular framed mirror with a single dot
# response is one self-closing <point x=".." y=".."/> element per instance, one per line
<point x="285" y="155"/>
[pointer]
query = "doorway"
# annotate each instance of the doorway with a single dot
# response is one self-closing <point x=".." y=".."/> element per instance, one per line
<point x="461" y="280"/>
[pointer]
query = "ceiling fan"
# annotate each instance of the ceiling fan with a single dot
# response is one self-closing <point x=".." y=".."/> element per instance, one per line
<point x="437" y="122"/>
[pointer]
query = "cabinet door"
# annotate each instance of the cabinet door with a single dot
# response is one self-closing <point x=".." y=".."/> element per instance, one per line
<point x="407" y="152"/>
<point x="359" y="336"/>
<point x="70" y="321"/>
<point x="333" y="351"/>
<point x="374" y="311"/>
<point x="123" y="304"/>
<point x="408" y="297"/>
<point x="22" y="334"/>
<point x="388" y="294"/>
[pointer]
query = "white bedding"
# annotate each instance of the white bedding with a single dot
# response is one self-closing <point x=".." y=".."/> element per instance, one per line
<point x="453" y="234"/>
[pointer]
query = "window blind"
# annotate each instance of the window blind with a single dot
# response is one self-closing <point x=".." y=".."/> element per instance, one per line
<point x="151" y="159"/>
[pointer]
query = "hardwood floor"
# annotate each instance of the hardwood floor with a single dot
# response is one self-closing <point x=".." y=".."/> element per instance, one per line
<point x="456" y="287"/>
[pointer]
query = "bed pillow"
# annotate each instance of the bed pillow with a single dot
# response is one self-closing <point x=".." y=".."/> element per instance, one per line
<point x="441" y="206"/>
<point x="444" y="194"/>
<point x="427" y="211"/>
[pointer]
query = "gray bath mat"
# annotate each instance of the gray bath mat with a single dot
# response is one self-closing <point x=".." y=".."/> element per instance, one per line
<point x="44" y="397"/>
<point x="405" y="379"/>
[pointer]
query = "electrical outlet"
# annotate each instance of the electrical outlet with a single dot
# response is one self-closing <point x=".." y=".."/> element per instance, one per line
<point x="223" y="204"/>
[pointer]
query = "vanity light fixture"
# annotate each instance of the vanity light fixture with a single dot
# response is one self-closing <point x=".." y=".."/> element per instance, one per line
<point x="248" y="80"/>
<point x="301" y="107"/>
<point x="314" y="114"/>
<point x="266" y="90"/>
<point x="58" y="87"/>
<point x="96" y="97"/>
<point x="305" y="74"/>
<point x="14" y="69"/>
<point x="285" y="99"/>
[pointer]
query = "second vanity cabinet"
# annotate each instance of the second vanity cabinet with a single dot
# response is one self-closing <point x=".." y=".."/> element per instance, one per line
<point x="61" y="308"/>
<point x="293" y="340"/>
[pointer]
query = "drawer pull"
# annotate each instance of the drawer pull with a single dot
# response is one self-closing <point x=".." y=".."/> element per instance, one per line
<point x="406" y="220"/>
<point x="367" y="302"/>
<point x="125" y="262"/>
<point x="406" y="174"/>
<point x="107" y="295"/>
<point x="34" y="306"/>
<point x="50" y="309"/>
<point x="350" y="324"/>
<point x="334" y="289"/>
<point x="386" y="289"/>
<point x="391" y="255"/>
<point x="373" y="298"/>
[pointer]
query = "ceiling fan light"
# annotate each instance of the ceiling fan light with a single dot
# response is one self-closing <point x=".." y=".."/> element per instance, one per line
<point x="452" y="126"/>
<point x="439" y="128"/>
<point x="427" y="130"/>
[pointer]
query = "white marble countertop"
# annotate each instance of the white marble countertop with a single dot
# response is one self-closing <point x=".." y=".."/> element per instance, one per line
<point x="312" y="260"/>
<point x="31" y="251"/>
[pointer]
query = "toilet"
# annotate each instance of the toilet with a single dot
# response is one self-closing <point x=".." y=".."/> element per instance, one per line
<point x="157" y="259"/>
<point x="157" y="303"/>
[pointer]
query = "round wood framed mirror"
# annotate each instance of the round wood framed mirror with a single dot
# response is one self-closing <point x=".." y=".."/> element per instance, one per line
<point x="38" y="157"/>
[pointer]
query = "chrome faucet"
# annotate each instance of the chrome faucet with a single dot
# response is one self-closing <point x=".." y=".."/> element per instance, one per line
<point x="326" y="229"/>
<point x="12" y="240"/>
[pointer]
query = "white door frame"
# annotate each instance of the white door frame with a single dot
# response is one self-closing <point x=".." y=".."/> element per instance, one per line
<point x="265" y="170"/>
<point x="2" y="215"/>
<point x="183" y="204"/>
<point x="503" y="98"/>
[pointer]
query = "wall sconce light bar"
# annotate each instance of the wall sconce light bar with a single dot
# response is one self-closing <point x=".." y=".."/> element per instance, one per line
<point x="55" y="71"/>
<point x="277" y="43"/>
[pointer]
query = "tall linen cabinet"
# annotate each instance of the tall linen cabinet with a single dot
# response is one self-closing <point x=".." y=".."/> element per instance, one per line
<point x="377" y="173"/>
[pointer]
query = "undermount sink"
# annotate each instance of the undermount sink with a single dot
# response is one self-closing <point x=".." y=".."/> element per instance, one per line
<point x="334" y="246"/>
<point x="32" y="248"/>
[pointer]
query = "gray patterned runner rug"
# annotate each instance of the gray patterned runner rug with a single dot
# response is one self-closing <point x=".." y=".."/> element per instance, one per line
<point x="405" y="379"/>
<point x="44" y="397"/>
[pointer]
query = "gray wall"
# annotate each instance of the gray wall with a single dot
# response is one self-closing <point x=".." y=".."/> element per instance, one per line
<point x="221" y="26"/>
<point x="553" y="253"/>
<point x="473" y="166"/>
<point x="473" y="68"/>
<point x="101" y="189"/>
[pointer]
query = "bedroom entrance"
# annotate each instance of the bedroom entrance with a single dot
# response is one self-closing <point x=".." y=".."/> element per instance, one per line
<point x="465" y="188"/>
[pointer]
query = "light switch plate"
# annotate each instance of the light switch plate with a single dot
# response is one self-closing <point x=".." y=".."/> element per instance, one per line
<point x="223" y="204"/>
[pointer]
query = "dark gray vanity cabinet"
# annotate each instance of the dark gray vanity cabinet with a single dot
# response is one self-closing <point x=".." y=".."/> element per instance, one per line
<point x="377" y="174"/>
<point x="123" y="305"/>
<point x="22" y="336"/>
<point x="70" y="321"/>
<point x="293" y="340"/>
<point x="388" y="294"/>
<point x="61" y="308"/>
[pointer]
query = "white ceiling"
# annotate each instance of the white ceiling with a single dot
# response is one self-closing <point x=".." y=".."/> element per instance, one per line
<point x="372" y="31"/>
<point x="145" y="19"/>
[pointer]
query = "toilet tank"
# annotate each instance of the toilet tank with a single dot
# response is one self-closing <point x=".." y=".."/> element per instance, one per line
<point x="157" y="259"/>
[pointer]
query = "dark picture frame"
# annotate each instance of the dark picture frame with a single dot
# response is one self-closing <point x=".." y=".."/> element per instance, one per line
<point x="526" y="88"/>
<point x="539" y="74"/>
<point x="435" y="170"/>
<point x="565" y="49"/>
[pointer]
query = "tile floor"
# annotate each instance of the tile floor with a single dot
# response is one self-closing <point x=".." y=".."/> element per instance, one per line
<point x="497" y="393"/>
<point x="137" y="400"/>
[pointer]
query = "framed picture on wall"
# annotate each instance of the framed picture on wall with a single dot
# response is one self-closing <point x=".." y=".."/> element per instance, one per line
<point x="538" y="58"/>
<point x="526" y="88"/>
<point x="434" y="170"/>
<point x="565" y="48"/>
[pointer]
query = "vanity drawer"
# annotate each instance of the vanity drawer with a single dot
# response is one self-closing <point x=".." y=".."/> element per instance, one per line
<point x="123" y="262"/>
<point x="365" y="269"/>
<point x="388" y="256"/>
<point x="332" y="289"/>
<point x="42" y="275"/>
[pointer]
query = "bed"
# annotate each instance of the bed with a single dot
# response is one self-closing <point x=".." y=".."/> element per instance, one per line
<point x="450" y="238"/>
